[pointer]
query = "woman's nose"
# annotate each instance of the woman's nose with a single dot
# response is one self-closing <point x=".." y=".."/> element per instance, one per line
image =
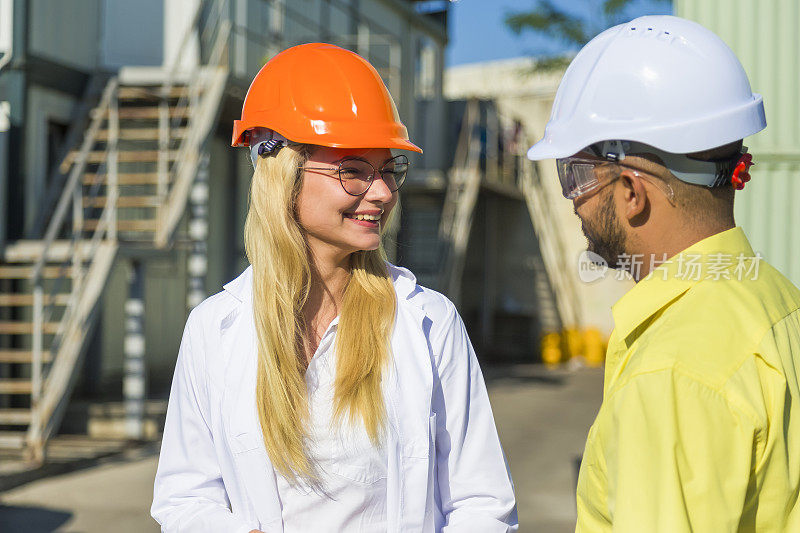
<point x="379" y="190"/>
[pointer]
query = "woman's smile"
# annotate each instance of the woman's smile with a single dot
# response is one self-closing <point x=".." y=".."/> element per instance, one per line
<point x="367" y="219"/>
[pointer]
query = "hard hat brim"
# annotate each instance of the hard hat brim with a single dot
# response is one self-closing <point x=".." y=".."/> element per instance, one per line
<point x="362" y="140"/>
<point x="683" y="137"/>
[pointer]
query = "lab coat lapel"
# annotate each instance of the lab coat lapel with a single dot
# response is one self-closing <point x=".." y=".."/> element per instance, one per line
<point x="243" y="429"/>
<point x="412" y="375"/>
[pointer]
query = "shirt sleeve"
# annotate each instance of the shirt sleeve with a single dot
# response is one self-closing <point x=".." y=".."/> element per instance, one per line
<point x="679" y="457"/>
<point x="474" y="483"/>
<point x="189" y="495"/>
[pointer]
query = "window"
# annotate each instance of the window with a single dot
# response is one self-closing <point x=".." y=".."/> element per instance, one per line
<point x="425" y="68"/>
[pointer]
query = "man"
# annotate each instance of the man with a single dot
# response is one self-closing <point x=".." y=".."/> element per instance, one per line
<point x="699" y="429"/>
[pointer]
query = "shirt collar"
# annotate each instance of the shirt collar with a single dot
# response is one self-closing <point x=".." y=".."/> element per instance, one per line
<point x="667" y="282"/>
<point x="241" y="287"/>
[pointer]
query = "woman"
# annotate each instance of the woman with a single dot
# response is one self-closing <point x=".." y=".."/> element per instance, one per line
<point x="323" y="389"/>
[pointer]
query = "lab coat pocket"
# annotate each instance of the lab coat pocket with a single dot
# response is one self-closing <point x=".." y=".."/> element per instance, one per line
<point x="421" y="444"/>
<point x="360" y="473"/>
<point x="256" y="480"/>
<point x="244" y="442"/>
<point x="348" y="452"/>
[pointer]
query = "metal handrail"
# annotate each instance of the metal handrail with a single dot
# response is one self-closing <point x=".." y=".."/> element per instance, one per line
<point x="567" y="299"/>
<point x="462" y="191"/>
<point x="214" y="23"/>
<point x="187" y="152"/>
<point x="75" y="175"/>
<point x="71" y="194"/>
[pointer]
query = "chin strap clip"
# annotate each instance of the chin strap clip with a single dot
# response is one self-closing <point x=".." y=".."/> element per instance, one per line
<point x="264" y="142"/>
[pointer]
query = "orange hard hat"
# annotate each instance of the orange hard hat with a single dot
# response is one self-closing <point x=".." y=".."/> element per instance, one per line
<point x="322" y="94"/>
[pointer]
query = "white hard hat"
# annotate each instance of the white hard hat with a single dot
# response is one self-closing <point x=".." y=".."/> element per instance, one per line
<point x="659" y="80"/>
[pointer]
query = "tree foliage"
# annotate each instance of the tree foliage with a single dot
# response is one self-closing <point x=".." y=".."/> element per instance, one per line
<point x="573" y="31"/>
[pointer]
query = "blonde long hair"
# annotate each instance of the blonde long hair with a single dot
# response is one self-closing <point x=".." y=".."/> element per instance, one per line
<point x="277" y="251"/>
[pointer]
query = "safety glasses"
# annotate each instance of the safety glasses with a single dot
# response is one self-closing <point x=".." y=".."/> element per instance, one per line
<point x="578" y="176"/>
<point x="356" y="175"/>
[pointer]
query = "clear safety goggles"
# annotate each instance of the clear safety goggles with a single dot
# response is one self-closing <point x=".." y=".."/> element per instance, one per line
<point x="578" y="176"/>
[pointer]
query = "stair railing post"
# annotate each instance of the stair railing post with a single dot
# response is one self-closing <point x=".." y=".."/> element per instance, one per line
<point x="162" y="165"/>
<point x="492" y="144"/>
<point x="35" y="429"/>
<point x="113" y="165"/>
<point x="77" y="248"/>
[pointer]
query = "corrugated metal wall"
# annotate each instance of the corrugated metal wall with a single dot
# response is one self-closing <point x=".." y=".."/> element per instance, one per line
<point x="764" y="35"/>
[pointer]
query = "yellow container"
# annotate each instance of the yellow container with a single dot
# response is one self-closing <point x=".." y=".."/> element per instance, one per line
<point x="594" y="347"/>
<point x="551" y="349"/>
<point x="573" y="343"/>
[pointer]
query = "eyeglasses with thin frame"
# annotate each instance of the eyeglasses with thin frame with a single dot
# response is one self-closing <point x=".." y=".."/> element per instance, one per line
<point x="356" y="175"/>
<point x="578" y="177"/>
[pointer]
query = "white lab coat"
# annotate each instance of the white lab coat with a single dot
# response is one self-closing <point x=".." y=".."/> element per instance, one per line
<point x="446" y="469"/>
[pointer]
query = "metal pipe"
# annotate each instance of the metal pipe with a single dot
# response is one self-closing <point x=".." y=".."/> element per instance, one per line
<point x="7" y="28"/>
<point x="134" y="384"/>
<point x="197" y="264"/>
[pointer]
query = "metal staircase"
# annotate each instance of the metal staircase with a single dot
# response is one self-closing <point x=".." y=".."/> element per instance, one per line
<point x="128" y="187"/>
<point x="481" y="160"/>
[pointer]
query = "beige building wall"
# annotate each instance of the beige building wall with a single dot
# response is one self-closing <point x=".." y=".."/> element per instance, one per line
<point x="520" y="93"/>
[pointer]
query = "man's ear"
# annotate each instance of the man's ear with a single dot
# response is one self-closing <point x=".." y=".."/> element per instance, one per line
<point x="634" y="195"/>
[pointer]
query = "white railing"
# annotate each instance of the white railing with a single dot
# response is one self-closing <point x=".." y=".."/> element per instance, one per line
<point x="175" y="186"/>
<point x="76" y="264"/>
<point x="551" y="246"/>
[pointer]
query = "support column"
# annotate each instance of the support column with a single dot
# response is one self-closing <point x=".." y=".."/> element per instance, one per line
<point x="197" y="265"/>
<point x="134" y="386"/>
<point x="490" y="251"/>
<point x="5" y="168"/>
<point x="178" y="15"/>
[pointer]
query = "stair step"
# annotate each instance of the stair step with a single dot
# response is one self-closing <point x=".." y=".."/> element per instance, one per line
<point x="24" y="272"/>
<point x="130" y="178"/>
<point x="134" y="93"/>
<point x="12" y="439"/>
<point x="30" y="250"/>
<point x="15" y="386"/>
<point x="25" y="300"/>
<point x="151" y="112"/>
<point x="126" y="156"/>
<point x="123" y="201"/>
<point x="124" y="225"/>
<point x="21" y="356"/>
<point x="15" y="417"/>
<point x="8" y="327"/>
<point x="143" y="134"/>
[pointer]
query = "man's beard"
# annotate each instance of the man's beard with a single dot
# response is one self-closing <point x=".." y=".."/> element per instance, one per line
<point x="604" y="235"/>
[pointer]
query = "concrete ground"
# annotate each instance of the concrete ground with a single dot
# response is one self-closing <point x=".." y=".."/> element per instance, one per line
<point x="542" y="416"/>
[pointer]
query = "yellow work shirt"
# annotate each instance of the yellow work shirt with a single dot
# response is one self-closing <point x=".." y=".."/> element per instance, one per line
<point x="699" y="429"/>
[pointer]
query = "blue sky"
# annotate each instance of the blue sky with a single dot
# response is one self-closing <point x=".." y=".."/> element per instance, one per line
<point x="478" y="33"/>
